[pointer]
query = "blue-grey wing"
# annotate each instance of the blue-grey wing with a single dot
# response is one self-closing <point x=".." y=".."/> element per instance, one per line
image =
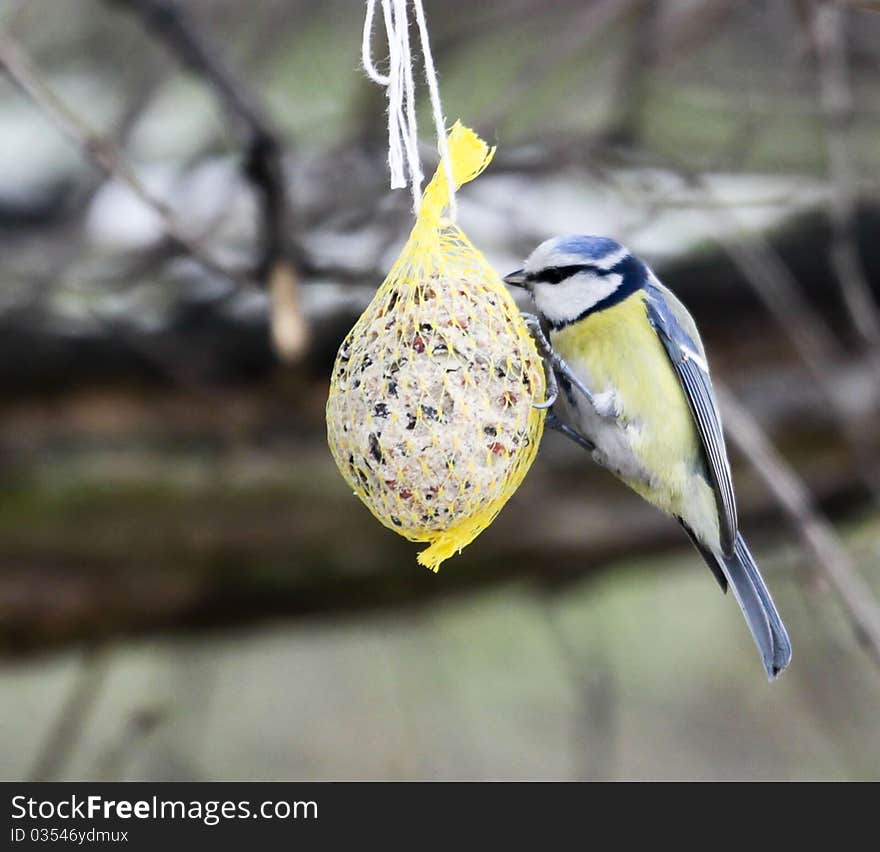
<point x="679" y="336"/>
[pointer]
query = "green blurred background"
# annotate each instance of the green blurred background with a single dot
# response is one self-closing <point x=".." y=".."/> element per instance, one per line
<point x="187" y="588"/>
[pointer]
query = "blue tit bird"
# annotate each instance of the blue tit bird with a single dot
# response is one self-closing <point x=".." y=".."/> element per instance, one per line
<point x="634" y="389"/>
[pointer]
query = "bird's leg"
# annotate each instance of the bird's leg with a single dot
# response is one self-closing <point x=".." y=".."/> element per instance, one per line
<point x="533" y="324"/>
<point x="552" y="386"/>
<point x="557" y="363"/>
<point x="554" y="422"/>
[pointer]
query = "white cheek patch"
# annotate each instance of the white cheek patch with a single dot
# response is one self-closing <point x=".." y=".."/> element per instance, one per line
<point x="567" y="300"/>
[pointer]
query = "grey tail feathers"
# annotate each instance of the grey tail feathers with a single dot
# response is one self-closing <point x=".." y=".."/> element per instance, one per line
<point x="754" y="600"/>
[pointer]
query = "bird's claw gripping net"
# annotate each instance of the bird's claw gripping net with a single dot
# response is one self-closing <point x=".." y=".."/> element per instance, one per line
<point x="555" y="365"/>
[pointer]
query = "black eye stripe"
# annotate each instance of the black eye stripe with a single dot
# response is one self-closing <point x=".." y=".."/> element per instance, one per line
<point x="555" y="274"/>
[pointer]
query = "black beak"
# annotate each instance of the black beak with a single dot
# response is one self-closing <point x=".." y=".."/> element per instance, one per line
<point x="516" y="279"/>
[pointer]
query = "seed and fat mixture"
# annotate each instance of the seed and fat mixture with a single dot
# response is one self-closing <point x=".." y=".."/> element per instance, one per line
<point x="431" y="413"/>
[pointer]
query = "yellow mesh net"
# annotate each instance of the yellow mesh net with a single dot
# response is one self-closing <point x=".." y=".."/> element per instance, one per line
<point x="430" y="416"/>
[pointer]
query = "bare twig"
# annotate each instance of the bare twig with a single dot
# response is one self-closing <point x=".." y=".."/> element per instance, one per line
<point x="816" y="534"/>
<point x="140" y="725"/>
<point x="685" y="27"/>
<point x="137" y="102"/>
<point x="591" y="21"/>
<point x="807" y="331"/>
<point x="592" y="679"/>
<point x="9" y="16"/>
<point x="99" y="149"/>
<point x="829" y="36"/>
<point x="279" y="257"/>
<point x="630" y="86"/>
<point x="866" y="5"/>
<point x="66" y="730"/>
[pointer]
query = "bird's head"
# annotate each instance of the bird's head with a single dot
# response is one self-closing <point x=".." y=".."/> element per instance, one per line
<point x="572" y="276"/>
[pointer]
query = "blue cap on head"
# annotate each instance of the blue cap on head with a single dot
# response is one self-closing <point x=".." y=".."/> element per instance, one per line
<point x="587" y="246"/>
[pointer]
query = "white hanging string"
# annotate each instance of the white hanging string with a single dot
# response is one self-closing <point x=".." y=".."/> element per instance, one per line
<point x="404" y="162"/>
<point x="436" y="106"/>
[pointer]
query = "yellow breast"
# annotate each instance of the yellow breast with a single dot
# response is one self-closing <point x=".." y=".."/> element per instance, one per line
<point x="618" y="349"/>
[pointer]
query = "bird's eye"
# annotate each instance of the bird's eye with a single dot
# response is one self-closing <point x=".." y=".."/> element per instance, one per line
<point x="555" y="274"/>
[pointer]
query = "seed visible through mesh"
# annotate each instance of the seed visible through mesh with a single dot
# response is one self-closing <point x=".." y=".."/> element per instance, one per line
<point x="430" y="417"/>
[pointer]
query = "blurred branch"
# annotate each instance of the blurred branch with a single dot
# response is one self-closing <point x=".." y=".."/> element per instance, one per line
<point x="829" y="36"/>
<point x="684" y="27"/>
<point x="98" y="149"/>
<point x="865" y="5"/>
<point x="593" y="20"/>
<point x="806" y="328"/>
<point x="170" y="23"/>
<point x="9" y="15"/>
<point x="137" y="101"/>
<point x="66" y="731"/>
<point x="629" y="91"/>
<point x="140" y="725"/>
<point x="256" y="523"/>
<point x="597" y="704"/>
<point x="816" y="534"/>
